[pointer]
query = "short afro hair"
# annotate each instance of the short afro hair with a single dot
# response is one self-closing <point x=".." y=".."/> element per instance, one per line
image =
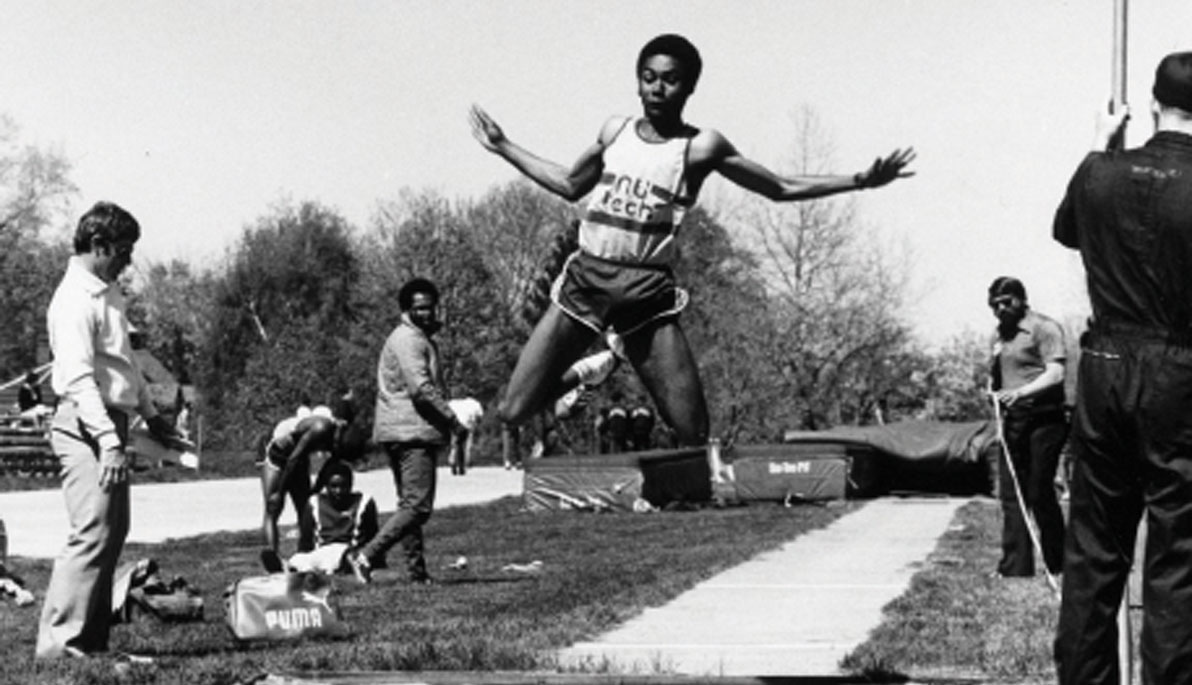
<point x="405" y="296"/>
<point x="674" y="45"/>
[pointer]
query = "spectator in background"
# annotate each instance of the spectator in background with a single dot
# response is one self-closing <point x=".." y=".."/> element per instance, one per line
<point x="1028" y="383"/>
<point x="612" y="427"/>
<point x="413" y="424"/>
<point x="99" y="389"/>
<point x="469" y="412"/>
<point x="335" y="522"/>
<point x="182" y="421"/>
<point x="29" y="394"/>
<point x="641" y="425"/>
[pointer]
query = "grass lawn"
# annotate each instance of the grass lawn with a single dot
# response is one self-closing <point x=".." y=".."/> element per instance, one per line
<point x="598" y="569"/>
<point x="956" y="620"/>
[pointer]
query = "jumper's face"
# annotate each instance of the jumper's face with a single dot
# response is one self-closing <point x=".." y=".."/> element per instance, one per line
<point x="1009" y="309"/>
<point x="662" y="85"/>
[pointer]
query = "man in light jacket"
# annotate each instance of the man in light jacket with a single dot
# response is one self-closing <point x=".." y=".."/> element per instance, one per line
<point x="413" y="424"/>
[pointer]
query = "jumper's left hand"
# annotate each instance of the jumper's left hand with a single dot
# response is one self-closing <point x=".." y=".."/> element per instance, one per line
<point x="887" y="169"/>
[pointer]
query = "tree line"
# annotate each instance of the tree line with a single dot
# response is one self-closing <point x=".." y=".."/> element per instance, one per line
<point x="795" y="313"/>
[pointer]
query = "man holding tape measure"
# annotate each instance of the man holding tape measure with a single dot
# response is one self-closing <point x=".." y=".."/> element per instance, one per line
<point x="1129" y="212"/>
<point x="1028" y="385"/>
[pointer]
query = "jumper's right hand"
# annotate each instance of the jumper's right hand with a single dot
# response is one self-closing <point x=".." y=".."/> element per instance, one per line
<point x="113" y="467"/>
<point x="485" y="130"/>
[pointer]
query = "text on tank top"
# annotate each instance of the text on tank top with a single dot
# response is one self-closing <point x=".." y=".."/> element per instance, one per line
<point x="637" y="207"/>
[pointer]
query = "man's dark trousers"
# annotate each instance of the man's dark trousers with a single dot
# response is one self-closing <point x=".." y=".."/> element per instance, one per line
<point x="1035" y="439"/>
<point x="413" y="466"/>
<point x="1132" y="447"/>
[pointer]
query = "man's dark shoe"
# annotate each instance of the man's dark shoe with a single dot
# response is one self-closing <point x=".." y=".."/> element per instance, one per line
<point x="422" y="579"/>
<point x="271" y="561"/>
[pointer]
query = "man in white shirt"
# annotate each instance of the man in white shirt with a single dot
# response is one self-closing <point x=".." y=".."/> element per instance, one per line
<point x="100" y="389"/>
<point x="469" y="411"/>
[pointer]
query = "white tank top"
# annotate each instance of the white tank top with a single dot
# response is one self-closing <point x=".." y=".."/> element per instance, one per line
<point x="638" y="205"/>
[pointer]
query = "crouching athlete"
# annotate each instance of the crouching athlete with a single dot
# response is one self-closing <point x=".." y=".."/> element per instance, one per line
<point x="285" y="468"/>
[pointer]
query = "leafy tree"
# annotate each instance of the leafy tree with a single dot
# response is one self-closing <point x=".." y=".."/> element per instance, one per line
<point x="834" y="299"/>
<point x="279" y="311"/>
<point x="517" y="225"/>
<point x="30" y="269"/>
<point x="35" y="185"/>
<point x="35" y="192"/>
<point x="957" y="379"/>
<point x="727" y="323"/>
<point x="172" y="305"/>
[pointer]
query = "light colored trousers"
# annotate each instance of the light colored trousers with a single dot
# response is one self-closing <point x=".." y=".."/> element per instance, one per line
<point x="78" y="604"/>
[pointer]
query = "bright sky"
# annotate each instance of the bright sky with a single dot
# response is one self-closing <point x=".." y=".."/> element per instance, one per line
<point x="200" y="116"/>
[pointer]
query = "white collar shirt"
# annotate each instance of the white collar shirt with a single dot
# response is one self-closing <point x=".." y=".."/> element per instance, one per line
<point x="94" y="367"/>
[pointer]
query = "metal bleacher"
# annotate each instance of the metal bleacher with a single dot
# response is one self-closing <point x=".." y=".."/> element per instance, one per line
<point x="24" y="440"/>
<point x="25" y="448"/>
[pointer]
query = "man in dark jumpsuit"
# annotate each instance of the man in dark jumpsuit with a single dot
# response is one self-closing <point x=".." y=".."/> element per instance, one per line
<point x="1129" y="212"/>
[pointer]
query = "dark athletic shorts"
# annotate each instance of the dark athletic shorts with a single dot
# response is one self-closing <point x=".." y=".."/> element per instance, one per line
<point x="278" y="451"/>
<point x="601" y="294"/>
